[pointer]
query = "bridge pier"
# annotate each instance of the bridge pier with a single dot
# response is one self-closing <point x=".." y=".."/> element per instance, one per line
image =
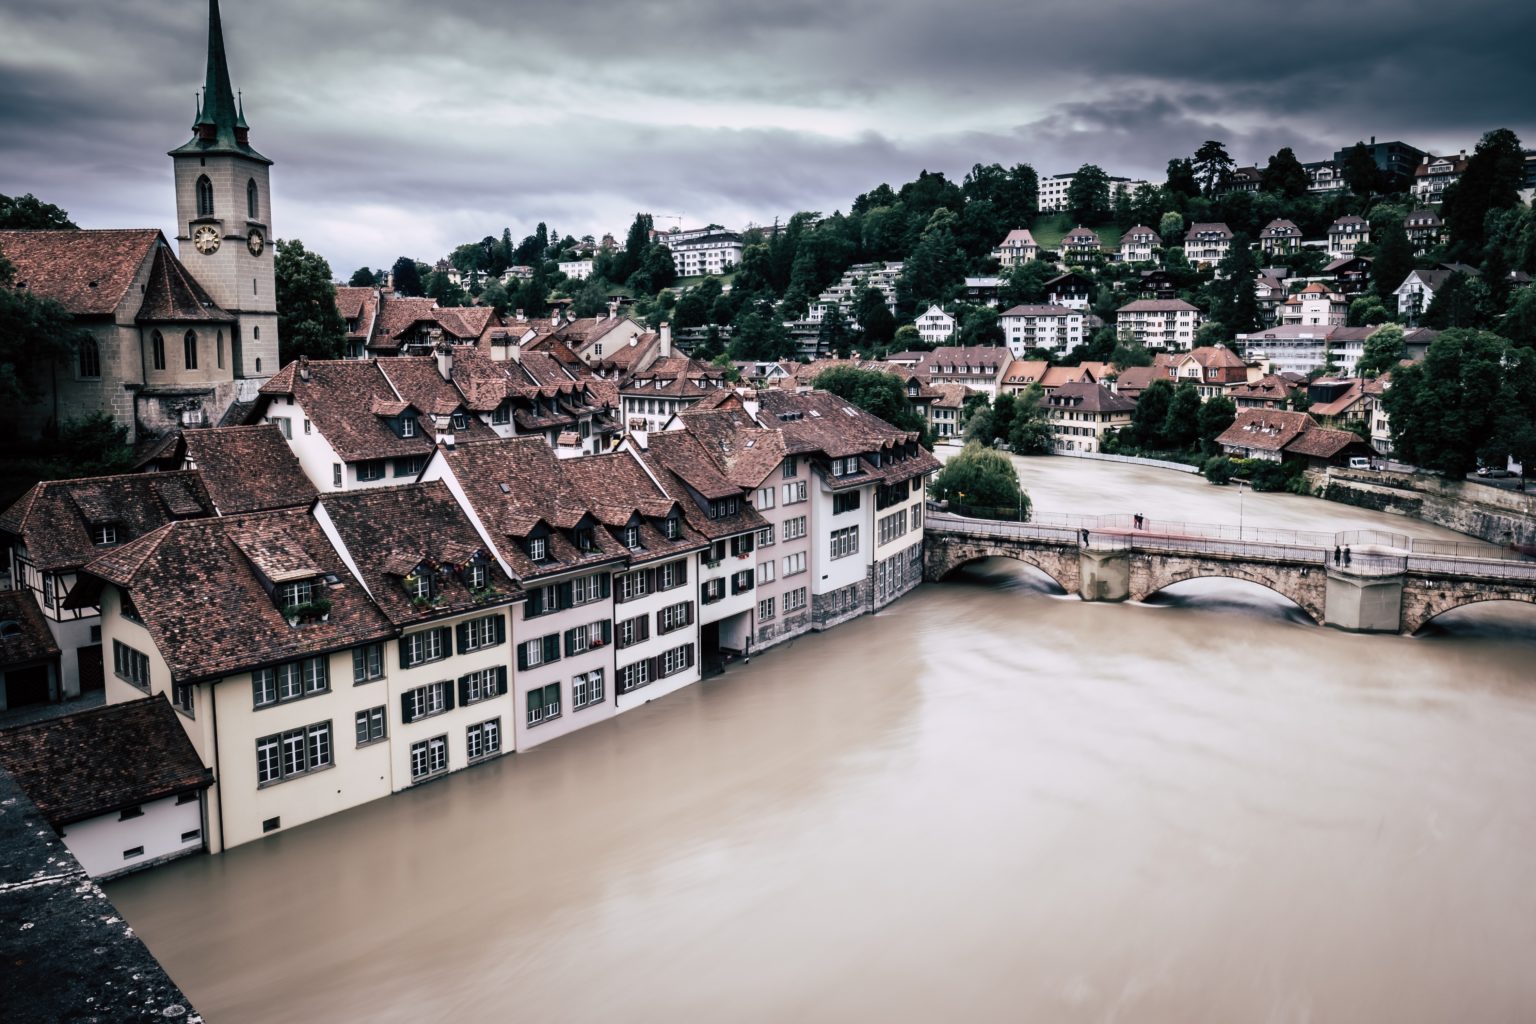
<point x="1105" y="575"/>
<point x="1364" y="604"/>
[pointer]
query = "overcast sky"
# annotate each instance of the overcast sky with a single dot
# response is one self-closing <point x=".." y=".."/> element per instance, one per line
<point x="406" y="128"/>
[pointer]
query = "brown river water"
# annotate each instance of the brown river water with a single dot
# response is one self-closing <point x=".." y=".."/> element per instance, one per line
<point x="990" y="802"/>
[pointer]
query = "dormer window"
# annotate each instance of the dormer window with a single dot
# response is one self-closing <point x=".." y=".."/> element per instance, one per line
<point x="538" y="548"/>
<point x="104" y="534"/>
<point x="407" y="426"/>
<point x="460" y="421"/>
<point x="585" y="540"/>
<point x="297" y="593"/>
<point x="672" y="527"/>
<point x="721" y="507"/>
<point x="632" y="537"/>
<point x="419" y="585"/>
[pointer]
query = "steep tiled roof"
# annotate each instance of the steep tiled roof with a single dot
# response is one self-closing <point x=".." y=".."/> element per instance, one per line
<point x="1025" y="371"/>
<point x="171" y="294"/>
<point x="247" y="469"/>
<point x="683" y="464"/>
<point x="1088" y="396"/>
<point x="817" y="421"/>
<point x="1197" y="231"/>
<point x="951" y="396"/>
<point x="1018" y="236"/>
<point x="339" y="397"/>
<point x="103" y="760"/>
<point x="1280" y="228"/>
<point x="1156" y="306"/>
<point x="181" y="572"/>
<point x="1322" y="443"/>
<point x="745" y="451"/>
<point x="24" y="634"/>
<point x="89" y="272"/>
<point x="674" y="377"/>
<point x="54" y="518"/>
<point x="393" y="531"/>
<point x="398" y="314"/>
<point x="1269" y="388"/>
<point x="1266" y="429"/>
<point x="1133" y="380"/>
<point x="1057" y="376"/>
<point x="419" y="383"/>
<point x="1215" y="357"/>
<point x="1081" y="236"/>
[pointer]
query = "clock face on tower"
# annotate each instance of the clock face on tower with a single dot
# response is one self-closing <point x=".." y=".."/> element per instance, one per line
<point x="255" y="242"/>
<point x="206" y="238"/>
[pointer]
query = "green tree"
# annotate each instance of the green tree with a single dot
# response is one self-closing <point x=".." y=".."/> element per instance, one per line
<point x="95" y="445"/>
<point x="877" y="324"/>
<point x="1181" y="425"/>
<point x="1519" y="324"/>
<point x="983" y="482"/>
<point x="35" y="334"/>
<point x="1129" y="352"/>
<point x="935" y="267"/>
<point x="1030" y="433"/>
<point x="1361" y="174"/>
<point x="1181" y="178"/>
<point x="1442" y="409"/>
<point x="1284" y="175"/>
<point x="30" y="213"/>
<point x="1233" y="301"/>
<point x="1215" y="416"/>
<point x="406" y="276"/>
<point x="756" y="335"/>
<point x="308" y="323"/>
<point x="1151" y="414"/>
<point x="1212" y="332"/>
<point x="1394" y="258"/>
<point x="1170" y="227"/>
<point x="1025" y="284"/>
<point x="1513" y="433"/>
<point x="1088" y="196"/>
<point x="692" y="310"/>
<point x="1217" y="469"/>
<point x="979" y="326"/>
<point x="1384" y="349"/>
<point x="1212" y="167"/>
<point x="362" y="277"/>
<point x="1461" y="301"/>
<point x="833" y="335"/>
<point x="656" y="270"/>
<point x="876" y="392"/>
<point x="1492" y="181"/>
<point x="1367" y="311"/>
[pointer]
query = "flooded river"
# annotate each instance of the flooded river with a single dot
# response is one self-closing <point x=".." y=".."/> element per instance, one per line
<point x="988" y="803"/>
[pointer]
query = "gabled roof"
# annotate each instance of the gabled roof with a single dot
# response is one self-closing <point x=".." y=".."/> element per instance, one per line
<point x="1059" y="376"/>
<point x="1088" y="396"/>
<point x="24" y="634"/>
<point x="1280" y="228"/>
<point x="1322" y="443"/>
<point x="247" y="469"/>
<point x="392" y="531"/>
<point x="173" y="295"/>
<point x="1197" y="232"/>
<point x="1018" y="237"/>
<point x="182" y="570"/>
<point x="1139" y="229"/>
<point x="683" y="464"/>
<point x="1042" y="310"/>
<point x="1266" y="429"/>
<point x="1215" y="357"/>
<point x="55" y="517"/>
<point x="1270" y="388"/>
<point x="745" y="451"/>
<point x="102" y="760"/>
<point x="1024" y="371"/>
<point x="88" y="271"/>
<point x="338" y="396"/>
<point x="418" y="381"/>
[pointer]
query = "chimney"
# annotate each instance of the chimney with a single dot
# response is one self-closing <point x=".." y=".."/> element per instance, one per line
<point x="303" y="367"/>
<point x="444" y="353"/>
<point x="666" y="340"/>
<point x="613" y="309"/>
<point x="522" y="317"/>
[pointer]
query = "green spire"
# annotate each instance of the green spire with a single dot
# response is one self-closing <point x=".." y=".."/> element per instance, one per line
<point x="218" y="94"/>
<point x="240" y="120"/>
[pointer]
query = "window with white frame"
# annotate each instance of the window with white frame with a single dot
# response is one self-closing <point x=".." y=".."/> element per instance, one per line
<point x="764" y="498"/>
<point x="845" y="542"/>
<point x="632" y="537"/>
<point x="367" y="663"/>
<point x="420" y="648"/>
<point x="631" y="677"/>
<point x="674" y="617"/>
<point x="847" y="501"/>
<point x="765" y="609"/>
<point x="765" y="536"/>
<point x="372" y="725"/>
<point x="482" y="684"/>
<point x="587" y="689"/>
<point x="794" y="528"/>
<point x="292" y="680"/>
<point x="296" y="752"/>
<point x="794" y="600"/>
<point x="676" y="660"/>
<point x="543" y="703"/>
<point x="485" y="631"/>
<point x="538" y="548"/>
<point x="183" y="696"/>
<point x="794" y="564"/>
<point x="299" y="592"/>
<point x="586" y="589"/>
<point x="794" y="493"/>
<point x="765" y="571"/>
<point x="633" y="631"/>
<point x="130" y="665"/>
<point x="791" y="467"/>
<point x="714" y="590"/>
<point x="426" y="701"/>
<point x="633" y="585"/>
<point x="103" y="535"/>
<point x="429" y="757"/>
<point x="483" y="739"/>
<point x="673" y="575"/>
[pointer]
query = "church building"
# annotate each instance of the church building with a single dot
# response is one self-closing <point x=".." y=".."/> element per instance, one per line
<point x="172" y="338"/>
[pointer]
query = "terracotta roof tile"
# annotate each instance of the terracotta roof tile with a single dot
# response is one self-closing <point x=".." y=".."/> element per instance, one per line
<point x="173" y="295"/>
<point x="178" y="573"/>
<point x="103" y="760"/>
<point x="339" y="398"/>
<point x="89" y="272"/>
<point x="1266" y="429"/>
<point x="55" y="517"/>
<point x="24" y="633"/>
<point x="247" y="469"/>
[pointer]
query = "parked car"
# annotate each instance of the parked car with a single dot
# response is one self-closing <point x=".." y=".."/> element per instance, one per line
<point x="1496" y="474"/>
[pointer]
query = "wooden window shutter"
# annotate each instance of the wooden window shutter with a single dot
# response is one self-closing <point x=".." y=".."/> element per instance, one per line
<point x="405" y="652"/>
<point x="688" y="614"/>
<point x="447" y="696"/>
<point x="650" y="581"/>
<point x="463" y="689"/>
<point x="535" y="605"/>
<point x="501" y="629"/>
<point x="461" y="632"/>
<point x="522" y="655"/>
<point x="552" y="647"/>
<point x="688" y="655"/>
<point x="501" y="679"/>
<point x="405" y="708"/>
<point x="570" y="642"/>
<point x="565" y="594"/>
<point x="605" y="585"/>
<point x="654" y="665"/>
<point x="682" y="571"/>
<point x="607" y="631"/>
<point x="645" y="628"/>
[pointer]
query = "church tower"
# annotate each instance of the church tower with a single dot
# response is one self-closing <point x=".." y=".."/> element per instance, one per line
<point x="224" y="216"/>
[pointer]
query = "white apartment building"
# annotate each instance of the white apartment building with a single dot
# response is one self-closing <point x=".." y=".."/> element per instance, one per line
<point x="935" y="326"/>
<point x="576" y="270"/>
<point x="1017" y="248"/>
<point x="1053" y="190"/>
<point x="1206" y="244"/>
<point x="1057" y="329"/>
<point x="1315" y="305"/>
<point x="1296" y="348"/>
<point x="1159" y="324"/>
<point x="1139" y="244"/>
<point x="1346" y="234"/>
<point x="703" y="252"/>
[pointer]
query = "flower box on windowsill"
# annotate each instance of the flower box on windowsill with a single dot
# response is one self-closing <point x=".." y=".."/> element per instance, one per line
<point x="713" y="565"/>
<point x="313" y="611"/>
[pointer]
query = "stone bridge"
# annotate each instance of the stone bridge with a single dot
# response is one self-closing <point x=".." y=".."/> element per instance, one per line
<point x="1380" y="591"/>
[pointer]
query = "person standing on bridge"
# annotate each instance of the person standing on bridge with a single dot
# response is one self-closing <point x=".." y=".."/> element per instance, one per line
<point x="1335" y="554"/>
<point x="1085" y="536"/>
<point x="1139" y="520"/>
<point x="1346" y="554"/>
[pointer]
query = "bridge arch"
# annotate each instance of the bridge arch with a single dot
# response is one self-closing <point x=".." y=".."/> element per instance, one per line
<point x="1305" y="592"/>
<point x="947" y="556"/>
<point x="1420" y="613"/>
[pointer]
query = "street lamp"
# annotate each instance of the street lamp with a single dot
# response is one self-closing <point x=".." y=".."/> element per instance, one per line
<point x="1239" y="511"/>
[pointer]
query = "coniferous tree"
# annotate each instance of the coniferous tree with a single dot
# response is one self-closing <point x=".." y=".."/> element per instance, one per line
<point x="406" y="276"/>
<point x="1492" y="181"/>
<point x="1284" y="175"/>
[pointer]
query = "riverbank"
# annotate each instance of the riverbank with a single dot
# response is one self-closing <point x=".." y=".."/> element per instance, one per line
<point x="1505" y="518"/>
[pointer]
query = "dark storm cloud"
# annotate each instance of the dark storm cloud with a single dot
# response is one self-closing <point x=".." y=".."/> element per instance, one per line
<point x="406" y="128"/>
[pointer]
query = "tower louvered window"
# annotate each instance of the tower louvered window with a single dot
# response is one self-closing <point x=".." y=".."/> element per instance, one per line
<point x="204" y="196"/>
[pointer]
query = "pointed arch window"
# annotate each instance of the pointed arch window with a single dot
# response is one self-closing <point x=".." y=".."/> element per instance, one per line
<point x="250" y="198"/>
<point x="90" y="358"/>
<point x="204" y="196"/>
<point x="157" y="349"/>
<point x="189" y="349"/>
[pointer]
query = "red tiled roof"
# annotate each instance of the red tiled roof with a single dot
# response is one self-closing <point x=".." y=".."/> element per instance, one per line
<point x="339" y="398"/>
<point x="1266" y="429"/>
<point x="24" y="634"/>
<point x="247" y="469"/>
<point x="171" y="295"/>
<point x="89" y="272"/>
<point x="103" y="759"/>
<point x="55" y="517"/>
